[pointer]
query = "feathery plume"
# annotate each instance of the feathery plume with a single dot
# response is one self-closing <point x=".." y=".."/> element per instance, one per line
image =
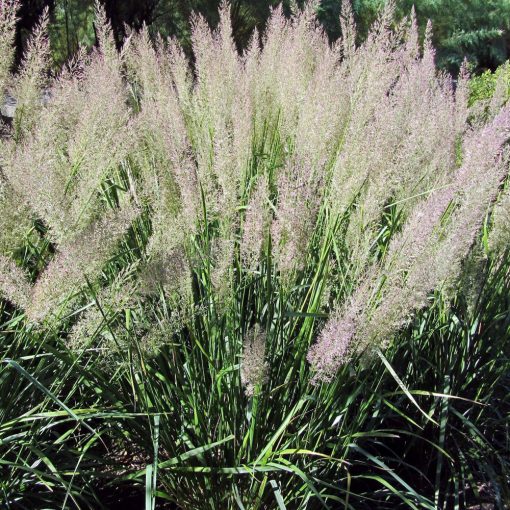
<point x="81" y="259"/>
<point x="99" y="139"/>
<point x="412" y="46"/>
<point x="426" y="254"/>
<point x="105" y="34"/>
<point x="168" y="270"/>
<point x="222" y="256"/>
<point x="335" y="342"/>
<point x="430" y="250"/>
<point x="15" y="221"/>
<point x="170" y="176"/>
<point x="218" y="69"/>
<point x="256" y="223"/>
<point x="81" y="135"/>
<point x="299" y="197"/>
<point x="28" y="167"/>
<point x="29" y="84"/>
<point x="254" y="367"/>
<point x="8" y="9"/>
<point x="348" y="27"/>
<point x="110" y="302"/>
<point x="14" y="283"/>
<point x="462" y="98"/>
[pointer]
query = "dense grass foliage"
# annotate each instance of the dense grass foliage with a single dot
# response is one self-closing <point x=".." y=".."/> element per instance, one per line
<point x="276" y="279"/>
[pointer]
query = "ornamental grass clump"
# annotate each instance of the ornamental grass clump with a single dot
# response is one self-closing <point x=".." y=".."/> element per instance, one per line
<point x="236" y="253"/>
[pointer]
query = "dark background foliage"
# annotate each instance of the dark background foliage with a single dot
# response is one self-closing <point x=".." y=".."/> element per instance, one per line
<point x="476" y="29"/>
